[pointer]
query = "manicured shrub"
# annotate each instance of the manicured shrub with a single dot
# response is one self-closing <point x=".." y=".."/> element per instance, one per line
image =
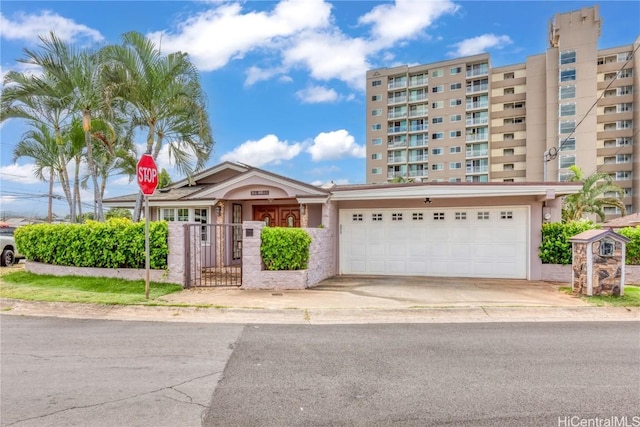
<point x="116" y="243"/>
<point x="285" y="248"/>
<point x="633" y="247"/>
<point x="555" y="247"/>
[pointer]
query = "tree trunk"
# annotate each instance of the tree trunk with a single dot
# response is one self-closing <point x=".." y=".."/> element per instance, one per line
<point x="50" y="209"/>
<point x="86" y="125"/>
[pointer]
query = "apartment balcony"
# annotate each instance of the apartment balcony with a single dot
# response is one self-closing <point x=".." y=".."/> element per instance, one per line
<point x="477" y="153"/>
<point x="614" y="133"/>
<point x="518" y="81"/>
<point x="477" y="105"/>
<point x="396" y="160"/>
<point x="419" y="159"/>
<point x="609" y="67"/>
<point x="419" y="113"/>
<point x="477" y="169"/>
<point x="509" y="143"/>
<point x="397" y="85"/>
<point x="477" y="73"/>
<point x="614" y="151"/>
<point x="508" y="174"/>
<point x="419" y="144"/>
<point x="397" y="100"/>
<point x="391" y="175"/>
<point x="422" y="173"/>
<point x="397" y="129"/>
<point x="418" y="98"/>
<point x="418" y="128"/>
<point x="510" y="128"/>
<point x="477" y="137"/>
<point x="418" y="82"/>
<point x="478" y="121"/>
<point x="396" y="115"/>
<point x="509" y="112"/>
<point x="477" y="89"/>
<point x="516" y="158"/>
<point x="615" y="167"/>
<point x="625" y="81"/>
<point x="614" y="117"/>
<point x="393" y="145"/>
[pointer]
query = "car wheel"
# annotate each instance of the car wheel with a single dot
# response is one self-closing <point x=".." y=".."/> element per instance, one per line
<point x="8" y="258"/>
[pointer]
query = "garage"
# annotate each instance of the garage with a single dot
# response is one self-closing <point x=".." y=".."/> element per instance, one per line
<point x="488" y="242"/>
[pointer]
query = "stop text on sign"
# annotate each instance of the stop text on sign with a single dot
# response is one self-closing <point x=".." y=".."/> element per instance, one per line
<point x="146" y="174"/>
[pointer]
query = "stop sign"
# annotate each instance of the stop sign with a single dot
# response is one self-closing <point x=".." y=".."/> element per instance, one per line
<point x="147" y="174"/>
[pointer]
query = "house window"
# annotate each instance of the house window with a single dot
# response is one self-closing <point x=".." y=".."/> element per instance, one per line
<point x="506" y="215"/>
<point x="455" y="70"/>
<point x="356" y="217"/>
<point x="483" y="215"/>
<point x="461" y="216"/>
<point x="417" y="216"/>
<point x="376" y="217"/>
<point x="168" y="214"/>
<point x="396" y="217"/>
<point x="438" y="216"/>
<point x="201" y="216"/>
<point x="607" y="247"/>
<point x="183" y="214"/>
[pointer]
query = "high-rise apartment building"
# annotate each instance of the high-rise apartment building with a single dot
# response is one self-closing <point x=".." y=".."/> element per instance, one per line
<point x="462" y="120"/>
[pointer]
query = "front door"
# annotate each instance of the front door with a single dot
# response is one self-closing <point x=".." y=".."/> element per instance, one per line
<point x="278" y="216"/>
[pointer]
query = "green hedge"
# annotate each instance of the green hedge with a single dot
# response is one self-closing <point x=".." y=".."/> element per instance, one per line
<point x="117" y="243"/>
<point x="633" y="247"/>
<point x="285" y="248"/>
<point x="555" y="247"/>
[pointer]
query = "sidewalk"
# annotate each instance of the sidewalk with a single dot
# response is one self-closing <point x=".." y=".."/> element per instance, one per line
<point x="349" y="300"/>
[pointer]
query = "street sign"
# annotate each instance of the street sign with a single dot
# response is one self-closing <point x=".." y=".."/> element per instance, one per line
<point x="147" y="174"/>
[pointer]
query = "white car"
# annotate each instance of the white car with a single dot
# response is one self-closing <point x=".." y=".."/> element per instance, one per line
<point x="9" y="254"/>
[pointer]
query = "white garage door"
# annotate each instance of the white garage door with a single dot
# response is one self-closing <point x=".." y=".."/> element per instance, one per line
<point x="452" y="242"/>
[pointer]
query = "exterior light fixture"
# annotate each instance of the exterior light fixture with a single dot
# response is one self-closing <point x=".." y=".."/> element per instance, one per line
<point x="218" y="209"/>
<point x="427" y="200"/>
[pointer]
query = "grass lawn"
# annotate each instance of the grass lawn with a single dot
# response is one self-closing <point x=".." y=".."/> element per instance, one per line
<point x="631" y="298"/>
<point x="18" y="284"/>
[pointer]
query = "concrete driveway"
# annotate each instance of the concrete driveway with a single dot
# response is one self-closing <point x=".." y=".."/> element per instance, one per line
<point x="349" y="292"/>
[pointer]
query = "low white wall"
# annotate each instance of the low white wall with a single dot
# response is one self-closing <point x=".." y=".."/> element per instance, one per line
<point x="321" y="263"/>
<point x="562" y="273"/>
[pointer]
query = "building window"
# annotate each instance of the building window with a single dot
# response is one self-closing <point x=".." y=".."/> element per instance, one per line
<point x="376" y="97"/>
<point x="566" y="161"/>
<point x="508" y="76"/>
<point x="567" y="92"/>
<point x="455" y="165"/>
<point x="376" y="83"/>
<point x="627" y="72"/>
<point x="509" y="137"/>
<point x="417" y="216"/>
<point x="437" y="120"/>
<point x="376" y="156"/>
<point x="568" y="109"/>
<point x="607" y="247"/>
<point x="437" y="104"/>
<point x="455" y="118"/>
<point x="455" y="86"/>
<point x="396" y="217"/>
<point x="507" y="167"/>
<point x="356" y="217"/>
<point x="461" y="216"/>
<point x="436" y="151"/>
<point x="455" y="102"/>
<point x="183" y="214"/>
<point x="455" y="134"/>
<point x="506" y="215"/>
<point x="376" y="141"/>
<point x="568" y="75"/>
<point x="437" y="89"/>
<point x="376" y="112"/>
<point x="567" y="126"/>
<point x="509" y="91"/>
<point x="455" y="179"/>
<point x="376" y="217"/>
<point x="201" y="215"/>
<point x="168" y="214"/>
<point x="437" y="166"/>
<point x="568" y="144"/>
<point x="437" y="73"/>
<point x="455" y="70"/>
<point x="568" y="57"/>
<point x="483" y="215"/>
<point x="376" y="171"/>
<point x="437" y="135"/>
<point x="454" y="150"/>
<point x="438" y="216"/>
<point x="377" y="126"/>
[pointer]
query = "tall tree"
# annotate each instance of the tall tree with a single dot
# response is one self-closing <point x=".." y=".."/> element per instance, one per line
<point x="593" y="196"/>
<point x="164" y="96"/>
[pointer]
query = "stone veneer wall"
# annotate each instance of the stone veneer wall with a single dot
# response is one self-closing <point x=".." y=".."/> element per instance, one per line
<point x="606" y="272"/>
<point x="321" y="261"/>
<point x="175" y="264"/>
<point x="562" y="273"/>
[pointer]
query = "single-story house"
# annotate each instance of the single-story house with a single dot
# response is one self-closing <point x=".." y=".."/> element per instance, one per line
<point x="631" y="220"/>
<point x="484" y="230"/>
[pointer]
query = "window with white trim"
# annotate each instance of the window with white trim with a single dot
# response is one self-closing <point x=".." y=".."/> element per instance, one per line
<point x="376" y="126"/>
<point x="357" y="217"/>
<point x="437" y="73"/>
<point x="567" y="57"/>
<point x="437" y="151"/>
<point x="417" y="216"/>
<point x="376" y="141"/>
<point x="455" y="86"/>
<point x="375" y="83"/>
<point x="376" y="217"/>
<point x="483" y="215"/>
<point x="455" y="149"/>
<point x="568" y="109"/>
<point x="506" y="215"/>
<point x="376" y="156"/>
<point x="455" y="165"/>
<point x="376" y="171"/>
<point x="568" y="75"/>
<point x="455" y="118"/>
<point x="376" y="112"/>
<point x="455" y="134"/>
<point x="567" y="92"/>
<point x="461" y="216"/>
<point x="438" y="216"/>
<point x="396" y="216"/>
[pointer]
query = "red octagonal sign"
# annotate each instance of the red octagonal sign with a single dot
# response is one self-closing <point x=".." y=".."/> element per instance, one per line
<point x="147" y="174"/>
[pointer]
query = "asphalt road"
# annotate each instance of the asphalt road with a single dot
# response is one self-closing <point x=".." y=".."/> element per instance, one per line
<point x="67" y="372"/>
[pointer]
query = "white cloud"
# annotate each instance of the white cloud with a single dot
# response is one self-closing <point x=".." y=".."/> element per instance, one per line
<point x="268" y="150"/>
<point x="480" y="44"/>
<point x="28" y="27"/>
<point x="406" y="19"/>
<point x="20" y="174"/>
<point x="222" y="33"/>
<point x="317" y="95"/>
<point x="335" y="145"/>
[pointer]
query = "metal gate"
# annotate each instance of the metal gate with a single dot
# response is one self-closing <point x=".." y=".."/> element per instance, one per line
<point x="213" y="255"/>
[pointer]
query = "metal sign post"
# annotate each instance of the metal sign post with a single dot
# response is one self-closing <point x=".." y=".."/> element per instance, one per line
<point x="147" y="172"/>
<point x="147" y="260"/>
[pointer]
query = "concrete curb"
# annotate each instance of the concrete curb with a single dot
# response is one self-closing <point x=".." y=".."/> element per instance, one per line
<point x="318" y="316"/>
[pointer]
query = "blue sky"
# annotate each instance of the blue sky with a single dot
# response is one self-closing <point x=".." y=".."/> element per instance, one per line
<point x="284" y="79"/>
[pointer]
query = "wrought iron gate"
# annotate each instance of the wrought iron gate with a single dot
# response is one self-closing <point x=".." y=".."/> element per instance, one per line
<point x="213" y="255"/>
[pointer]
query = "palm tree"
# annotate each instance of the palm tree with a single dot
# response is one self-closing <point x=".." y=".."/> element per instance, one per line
<point x="163" y="95"/>
<point x="593" y="196"/>
<point x="50" y="158"/>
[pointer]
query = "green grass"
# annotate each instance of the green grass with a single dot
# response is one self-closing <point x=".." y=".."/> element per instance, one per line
<point x="95" y="290"/>
<point x="631" y="298"/>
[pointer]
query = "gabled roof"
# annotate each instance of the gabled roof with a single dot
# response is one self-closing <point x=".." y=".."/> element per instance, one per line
<point x="631" y="220"/>
<point x="593" y="235"/>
